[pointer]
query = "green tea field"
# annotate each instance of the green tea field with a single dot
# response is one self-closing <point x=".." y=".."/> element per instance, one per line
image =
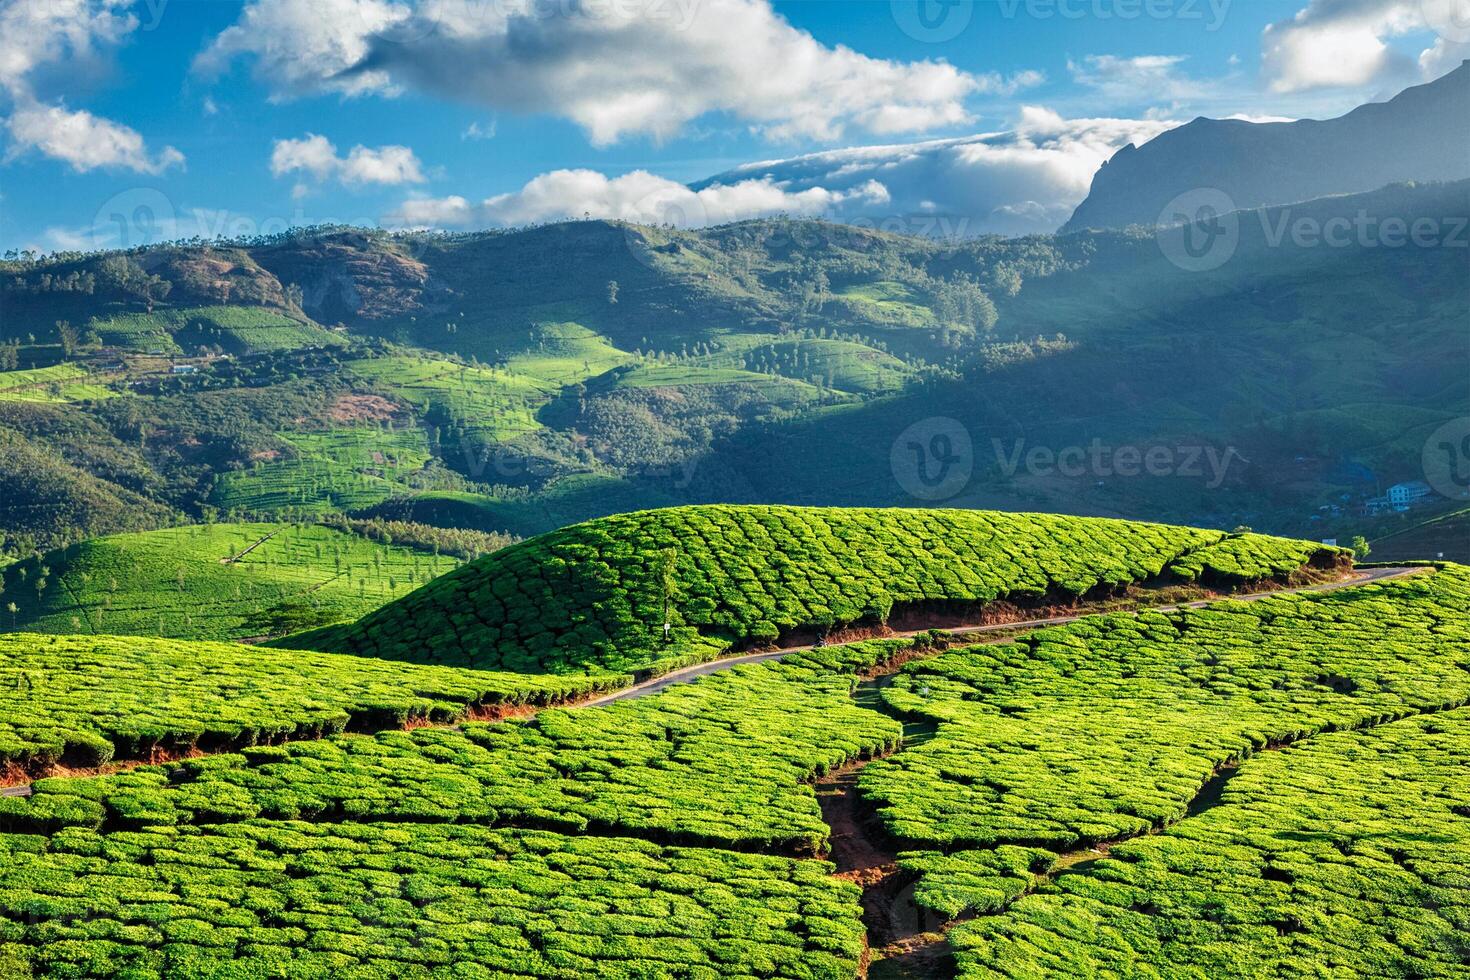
<point x="213" y="582"/>
<point x="1211" y="780"/>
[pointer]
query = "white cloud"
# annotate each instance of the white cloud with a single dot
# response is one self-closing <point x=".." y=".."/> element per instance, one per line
<point x="1129" y="80"/>
<point x="34" y="35"/>
<point x="1345" y="43"/>
<point x="639" y="197"/>
<point x="316" y="157"/>
<point x="616" y="69"/>
<point x="305" y="45"/>
<point x="83" y="140"/>
<point x="1021" y="181"/>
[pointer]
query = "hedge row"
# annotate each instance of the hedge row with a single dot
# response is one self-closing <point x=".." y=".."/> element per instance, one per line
<point x="1109" y="726"/>
<point x="1348" y="856"/>
<point x="593" y="596"/>
<point x="722" y="762"/>
<point x="85" y="700"/>
<point x="402" y="902"/>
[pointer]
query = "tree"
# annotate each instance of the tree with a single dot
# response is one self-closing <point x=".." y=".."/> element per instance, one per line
<point x="68" y="336"/>
<point x="12" y="608"/>
<point x="612" y="292"/>
<point x="1361" y="547"/>
<point x="669" y="584"/>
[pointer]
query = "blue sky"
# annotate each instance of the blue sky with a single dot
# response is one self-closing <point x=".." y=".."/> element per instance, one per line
<point x="128" y="122"/>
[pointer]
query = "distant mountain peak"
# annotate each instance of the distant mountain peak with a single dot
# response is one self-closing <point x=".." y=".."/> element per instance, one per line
<point x="1423" y="133"/>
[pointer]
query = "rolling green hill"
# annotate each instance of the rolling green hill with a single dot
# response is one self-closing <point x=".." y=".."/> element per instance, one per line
<point x="595" y="596"/>
<point x="213" y="582"/>
<point x="771" y="361"/>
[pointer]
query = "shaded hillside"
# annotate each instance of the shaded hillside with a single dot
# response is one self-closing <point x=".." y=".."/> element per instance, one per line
<point x="594" y="597"/>
<point x="520" y="381"/>
<point x="1421" y="134"/>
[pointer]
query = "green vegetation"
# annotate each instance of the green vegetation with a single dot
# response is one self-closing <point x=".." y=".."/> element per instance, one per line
<point x="725" y="762"/>
<point x="768" y="360"/>
<point x="222" y="581"/>
<point x="324" y="471"/>
<point x="60" y="384"/>
<point x="1108" y="727"/>
<point x="1346" y="856"/>
<point x="231" y="329"/>
<point x="406" y="902"/>
<point x="590" y="597"/>
<point x="83" y="701"/>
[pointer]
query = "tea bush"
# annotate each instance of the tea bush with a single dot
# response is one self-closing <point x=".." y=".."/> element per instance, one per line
<point x="594" y="596"/>
<point x="1109" y="726"/>
<point x="408" y="901"/>
<point x="1346" y="856"/>
<point x="85" y="700"/>
<point x="724" y="762"/>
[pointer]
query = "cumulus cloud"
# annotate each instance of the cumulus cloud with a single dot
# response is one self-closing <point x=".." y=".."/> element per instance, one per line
<point x="306" y="45"/>
<point x="1126" y="80"/>
<point x="1344" y="43"/>
<point x="639" y="197"/>
<point x="316" y="157"/>
<point x="36" y="36"/>
<point x="85" y="141"/>
<point x="636" y="67"/>
<point x="1021" y="181"/>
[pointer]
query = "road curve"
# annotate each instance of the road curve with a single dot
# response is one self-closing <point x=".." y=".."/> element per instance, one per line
<point x="686" y="674"/>
<point x="683" y="675"/>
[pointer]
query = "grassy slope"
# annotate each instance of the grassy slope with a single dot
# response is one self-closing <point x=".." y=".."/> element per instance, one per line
<point x="82" y="701"/>
<point x="592" y="596"/>
<point x="174" y="583"/>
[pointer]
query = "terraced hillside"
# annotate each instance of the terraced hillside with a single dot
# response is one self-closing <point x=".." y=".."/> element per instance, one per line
<point x="1269" y="784"/>
<point x="596" y="596"/>
<point x="220" y="581"/>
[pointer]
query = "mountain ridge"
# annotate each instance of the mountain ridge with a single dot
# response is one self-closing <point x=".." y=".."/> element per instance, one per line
<point x="1420" y="134"/>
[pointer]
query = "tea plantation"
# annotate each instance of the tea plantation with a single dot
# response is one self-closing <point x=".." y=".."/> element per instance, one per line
<point x="1347" y="856"/>
<point x="595" y="596"/>
<point x="723" y="762"/>
<point x="213" y="582"/>
<point x="1274" y="787"/>
<point x="84" y="701"/>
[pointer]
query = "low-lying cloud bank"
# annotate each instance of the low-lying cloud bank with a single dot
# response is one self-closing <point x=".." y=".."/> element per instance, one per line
<point x="1023" y="181"/>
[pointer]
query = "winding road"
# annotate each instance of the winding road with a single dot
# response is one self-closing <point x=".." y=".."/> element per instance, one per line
<point x="683" y="675"/>
<point x="686" y="674"/>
